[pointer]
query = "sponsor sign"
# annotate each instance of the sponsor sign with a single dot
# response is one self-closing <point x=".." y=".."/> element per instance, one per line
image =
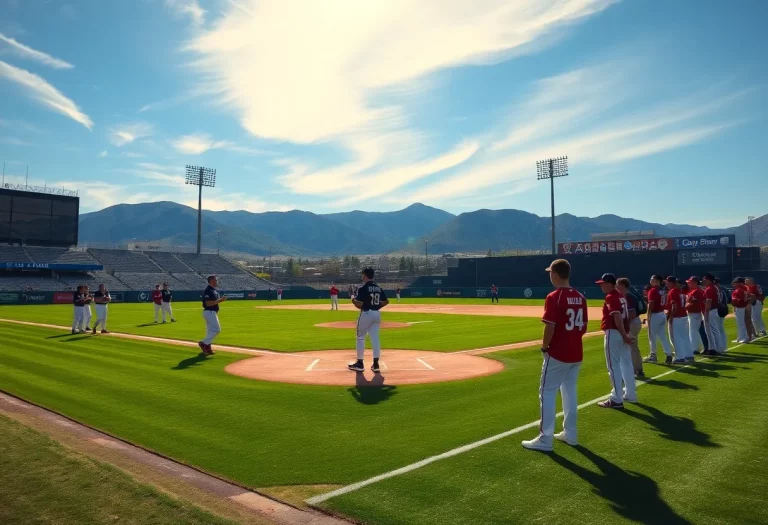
<point x="116" y="297"/>
<point x="528" y="293"/>
<point x="62" y="298"/>
<point x="9" y="298"/>
<point x="251" y="295"/>
<point x="482" y="293"/>
<point x="144" y="296"/>
<point x="51" y="266"/>
<point x="705" y="241"/>
<point x="447" y="293"/>
<point x="437" y="281"/>
<point x="416" y="294"/>
<point x="34" y="298"/>
<point x="697" y="257"/>
<point x="644" y="245"/>
<point x="240" y="295"/>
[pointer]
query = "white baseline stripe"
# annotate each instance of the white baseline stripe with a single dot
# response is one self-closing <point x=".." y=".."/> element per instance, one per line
<point x="312" y="365"/>
<point x="420" y="360"/>
<point x="471" y="446"/>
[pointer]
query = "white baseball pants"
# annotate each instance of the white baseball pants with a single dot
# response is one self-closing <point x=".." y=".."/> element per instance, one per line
<point x="334" y="302"/>
<point x="656" y="332"/>
<point x="158" y="309"/>
<point x="279" y="297"/>
<point x="556" y="375"/>
<point x="77" y="322"/>
<point x="166" y="307"/>
<point x="212" y="326"/>
<point x="398" y="298"/>
<point x="757" y="316"/>
<point x="368" y="324"/>
<point x="694" y="338"/>
<point x="101" y="317"/>
<point x="679" y="334"/>
<point x="723" y="335"/>
<point x="741" y="325"/>
<point x="714" y="336"/>
<point x="618" y="360"/>
<point x="87" y="316"/>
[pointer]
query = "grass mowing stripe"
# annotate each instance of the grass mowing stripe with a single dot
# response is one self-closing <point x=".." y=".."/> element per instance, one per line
<point x="471" y="446"/>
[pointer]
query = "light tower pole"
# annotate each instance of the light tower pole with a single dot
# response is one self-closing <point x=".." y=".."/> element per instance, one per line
<point x="200" y="176"/>
<point x="549" y="169"/>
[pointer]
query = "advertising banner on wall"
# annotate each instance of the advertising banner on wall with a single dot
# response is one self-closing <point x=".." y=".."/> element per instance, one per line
<point x="62" y="298"/>
<point x="645" y="245"/>
<point x="9" y="298"/>
<point x="716" y="257"/>
<point x="34" y="297"/>
<point x="705" y="241"/>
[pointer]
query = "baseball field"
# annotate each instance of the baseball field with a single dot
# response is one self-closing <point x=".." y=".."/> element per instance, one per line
<point x="434" y="439"/>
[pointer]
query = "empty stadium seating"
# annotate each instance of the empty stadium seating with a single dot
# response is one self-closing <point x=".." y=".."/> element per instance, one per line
<point x="209" y="264"/>
<point x="93" y="280"/>
<point x="59" y="256"/>
<point x="13" y="254"/>
<point x="18" y="283"/>
<point x="125" y="261"/>
<point x="145" y="281"/>
<point x="169" y="262"/>
<point x="189" y="281"/>
<point x="240" y="281"/>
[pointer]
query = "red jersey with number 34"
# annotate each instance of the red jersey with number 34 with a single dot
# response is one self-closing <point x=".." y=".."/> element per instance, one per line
<point x="614" y="302"/>
<point x="566" y="308"/>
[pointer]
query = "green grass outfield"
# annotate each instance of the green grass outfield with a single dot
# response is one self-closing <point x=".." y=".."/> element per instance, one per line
<point x="43" y="482"/>
<point x="266" y="434"/>
<point x="243" y="324"/>
<point x="435" y="300"/>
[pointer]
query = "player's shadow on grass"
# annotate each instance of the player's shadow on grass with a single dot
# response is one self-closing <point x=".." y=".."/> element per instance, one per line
<point x="147" y="324"/>
<point x="190" y="362"/>
<point x="371" y="392"/>
<point x="674" y="384"/>
<point x="632" y="495"/>
<point x="707" y="369"/>
<point x="673" y="428"/>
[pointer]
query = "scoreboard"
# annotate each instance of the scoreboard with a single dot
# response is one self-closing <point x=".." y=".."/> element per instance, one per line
<point x="39" y="219"/>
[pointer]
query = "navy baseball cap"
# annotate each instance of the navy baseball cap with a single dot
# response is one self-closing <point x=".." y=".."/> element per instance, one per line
<point x="657" y="277"/>
<point x="607" y="278"/>
<point x="693" y="279"/>
<point x="709" y="277"/>
<point x="671" y="279"/>
<point x="738" y="280"/>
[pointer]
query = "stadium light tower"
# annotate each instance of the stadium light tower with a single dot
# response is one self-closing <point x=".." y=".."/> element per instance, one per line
<point x="549" y="169"/>
<point x="200" y="176"/>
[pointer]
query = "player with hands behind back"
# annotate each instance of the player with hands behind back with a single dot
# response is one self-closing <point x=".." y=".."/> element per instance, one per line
<point x="370" y="299"/>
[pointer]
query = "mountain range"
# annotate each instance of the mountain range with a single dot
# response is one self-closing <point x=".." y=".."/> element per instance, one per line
<point x="305" y="234"/>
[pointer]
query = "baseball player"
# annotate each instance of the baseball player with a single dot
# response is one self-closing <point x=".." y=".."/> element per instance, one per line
<point x="211" y="302"/>
<point x="617" y="341"/>
<point x="757" y="307"/>
<point x="157" y="301"/>
<point x="334" y="297"/>
<point x="633" y="326"/>
<point x="279" y="294"/>
<point x="715" y="342"/>
<point x="397" y="294"/>
<point x="78" y="301"/>
<point x="657" y="321"/>
<point x="102" y="299"/>
<point x="166" y="297"/>
<point x="370" y="300"/>
<point x="565" y="322"/>
<point x="677" y="321"/>
<point x="695" y="306"/>
<point x="723" y="312"/>
<point x="87" y="314"/>
<point x="739" y="298"/>
<point x="494" y="294"/>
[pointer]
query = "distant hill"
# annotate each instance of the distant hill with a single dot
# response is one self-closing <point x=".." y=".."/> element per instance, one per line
<point x="300" y="233"/>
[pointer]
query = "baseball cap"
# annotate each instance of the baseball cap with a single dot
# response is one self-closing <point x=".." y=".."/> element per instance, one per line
<point x="738" y="280"/>
<point x="607" y="278"/>
<point x="717" y="280"/>
<point x="671" y="279"/>
<point x="210" y="278"/>
<point x="693" y="279"/>
<point x="709" y="277"/>
<point x="657" y="277"/>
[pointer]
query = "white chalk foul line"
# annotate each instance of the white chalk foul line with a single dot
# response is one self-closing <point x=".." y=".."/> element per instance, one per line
<point x="426" y="365"/>
<point x="312" y="365"/>
<point x="471" y="446"/>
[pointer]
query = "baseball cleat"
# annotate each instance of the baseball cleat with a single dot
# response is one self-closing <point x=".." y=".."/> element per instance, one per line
<point x="173" y="320"/>
<point x="74" y="331"/>
<point x="630" y="400"/>
<point x="690" y="359"/>
<point x="562" y="436"/>
<point x="357" y="366"/>
<point x="203" y="348"/>
<point x="94" y="330"/>
<point x="537" y="444"/>
<point x="640" y="375"/>
<point x="209" y="349"/>
<point x="375" y="367"/>
<point x="650" y="359"/>
<point x="697" y="352"/>
<point x="608" y="403"/>
<point x="668" y="361"/>
<point x="679" y="361"/>
<point x="106" y="332"/>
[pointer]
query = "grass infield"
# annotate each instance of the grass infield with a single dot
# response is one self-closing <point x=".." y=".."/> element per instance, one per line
<point x="266" y="434"/>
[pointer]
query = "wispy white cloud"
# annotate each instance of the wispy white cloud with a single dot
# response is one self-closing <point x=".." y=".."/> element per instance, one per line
<point x="130" y="132"/>
<point x="168" y="102"/>
<point x="20" y="126"/>
<point x="190" y="8"/>
<point x="28" y="53"/>
<point x="103" y="154"/>
<point x="13" y="141"/>
<point x="132" y="155"/>
<point x="44" y="93"/>
<point x="199" y="143"/>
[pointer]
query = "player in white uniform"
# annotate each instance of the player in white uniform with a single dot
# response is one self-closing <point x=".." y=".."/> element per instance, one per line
<point x="78" y="302"/>
<point x="102" y="299"/>
<point x="370" y="300"/>
<point x="87" y="314"/>
<point x="211" y="301"/>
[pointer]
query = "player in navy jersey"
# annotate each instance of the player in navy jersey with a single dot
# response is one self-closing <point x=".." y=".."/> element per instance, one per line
<point x="211" y="301"/>
<point x="370" y="299"/>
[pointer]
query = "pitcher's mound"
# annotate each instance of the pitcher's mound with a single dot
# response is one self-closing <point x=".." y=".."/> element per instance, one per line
<point x="353" y="324"/>
<point x="398" y="367"/>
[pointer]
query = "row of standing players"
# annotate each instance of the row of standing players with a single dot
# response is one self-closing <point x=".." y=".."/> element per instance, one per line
<point x="565" y="317"/>
<point x="83" y="298"/>
<point x="369" y="298"/>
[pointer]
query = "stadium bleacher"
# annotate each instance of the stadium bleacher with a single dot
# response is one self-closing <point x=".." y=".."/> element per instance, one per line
<point x="93" y="280"/>
<point x="240" y="281"/>
<point x="59" y="256"/>
<point x="146" y="281"/>
<point x="209" y="264"/>
<point x="20" y="283"/>
<point x="189" y="281"/>
<point x="169" y="262"/>
<point x="125" y="261"/>
<point x="14" y="254"/>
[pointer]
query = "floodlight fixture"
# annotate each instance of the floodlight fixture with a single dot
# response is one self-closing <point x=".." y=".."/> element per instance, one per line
<point x="201" y="177"/>
<point x="550" y="169"/>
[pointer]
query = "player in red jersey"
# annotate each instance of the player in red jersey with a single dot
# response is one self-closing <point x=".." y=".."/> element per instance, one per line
<point x="757" y="307"/>
<point x="657" y="321"/>
<point x="739" y="298"/>
<point x="711" y="317"/>
<point x="157" y="300"/>
<point x="334" y="297"/>
<point x="695" y="306"/>
<point x="618" y="358"/>
<point x="677" y="318"/>
<point x="565" y="322"/>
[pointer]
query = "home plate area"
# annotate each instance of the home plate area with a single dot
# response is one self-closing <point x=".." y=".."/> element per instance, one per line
<point x="398" y="367"/>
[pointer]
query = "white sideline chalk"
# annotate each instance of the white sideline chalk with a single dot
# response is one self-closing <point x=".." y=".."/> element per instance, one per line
<point x="471" y="446"/>
<point x="312" y="365"/>
<point x="427" y="365"/>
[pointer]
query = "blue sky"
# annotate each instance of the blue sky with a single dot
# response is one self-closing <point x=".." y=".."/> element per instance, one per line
<point x="331" y="106"/>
